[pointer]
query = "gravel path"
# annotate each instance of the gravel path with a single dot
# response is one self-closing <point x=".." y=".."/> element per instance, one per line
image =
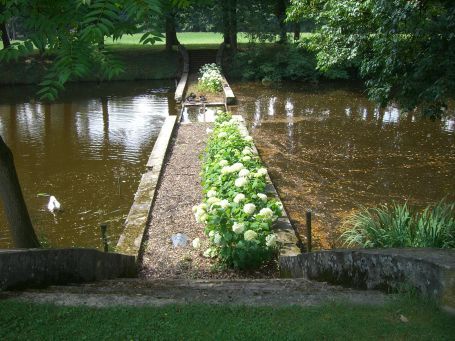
<point x="179" y="190"/>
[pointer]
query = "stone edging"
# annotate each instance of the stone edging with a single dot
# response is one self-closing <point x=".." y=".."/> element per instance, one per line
<point x="38" y="267"/>
<point x="429" y="272"/>
<point x="228" y="93"/>
<point x="138" y="217"/>
<point x="282" y="227"/>
<point x="180" y="90"/>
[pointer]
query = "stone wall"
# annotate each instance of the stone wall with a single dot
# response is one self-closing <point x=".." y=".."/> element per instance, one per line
<point x="430" y="272"/>
<point x="39" y="267"/>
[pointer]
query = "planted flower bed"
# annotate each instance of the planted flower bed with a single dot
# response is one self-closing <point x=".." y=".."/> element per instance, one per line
<point x="210" y="79"/>
<point x="238" y="216"/>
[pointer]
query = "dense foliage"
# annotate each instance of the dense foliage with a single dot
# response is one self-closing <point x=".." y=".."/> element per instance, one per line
<point x="70" y="33"/>
<point x="399" y="226"/>
<point x="404" y="49"/>
<point x="280" y="62"/>
<point x="238" y="216"/>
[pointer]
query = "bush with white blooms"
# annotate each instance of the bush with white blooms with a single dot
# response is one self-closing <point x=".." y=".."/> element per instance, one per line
<point x="237" y="214"/>
<point x="210" y="78"/>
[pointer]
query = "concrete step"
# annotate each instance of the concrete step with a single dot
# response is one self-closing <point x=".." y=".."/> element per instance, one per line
<point x="201" y="57"/>
<point x="256" y="292"/>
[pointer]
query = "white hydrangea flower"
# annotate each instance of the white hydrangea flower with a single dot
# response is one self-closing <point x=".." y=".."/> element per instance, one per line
<point x="223" y="163"/>
<point x="240" y="182"/>
<point x="217" y="238"/>
<point x="226" y="170"/>
<point x="202" y="218"/>
<point x="207" y="253"/>
<point x="211" y="233"/>
<point x="211" y="193"/>
<point x="246" y="151"/>
<point x="236" y="167"/>
<point x="266" y="213"/>
<point x="196" y="243"/>
<point x="224" y="204"/>
<point x="246" y="158"/>
<point x="208" y="130"/>
<point x="249" y="208"/>
<point x="238" y="228"/>
<point x="271" y="240"/>
<point x="244" y="172"/>
<point x="262" y="196"/>
<point x="239" y="197"/>
<point x="250" y="235"/>
<point x="212" y="200"/>
<point x="195" y="207"/>
<point x="222" y="134"/>
<point x="248" y="138"/>
<point x="262" y="171"/>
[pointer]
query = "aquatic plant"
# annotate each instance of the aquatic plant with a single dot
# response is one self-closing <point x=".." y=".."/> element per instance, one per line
<point x="398" y="225"/>
<point x="210" y="79"/>
<point x="237" y="214"/>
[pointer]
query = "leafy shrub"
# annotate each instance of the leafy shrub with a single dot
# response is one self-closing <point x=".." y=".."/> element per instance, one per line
<point x="210" y="78"/>
<point x="399" y="226"/>
<point x="237" y="214"/>
<point x="282" y="62"/>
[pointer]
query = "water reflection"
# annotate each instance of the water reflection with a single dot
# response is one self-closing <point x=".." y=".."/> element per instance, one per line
<point x="88" y="150"/>
<point x="329" y="149"/>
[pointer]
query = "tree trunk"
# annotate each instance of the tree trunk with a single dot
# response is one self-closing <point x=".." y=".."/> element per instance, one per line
<point x="280" y="13"/>
<point x="171" y="33"/>
<point x="225" y="14"/>
<point x="296" y="31"/>
<point x="233" y="24"/>
<point x="13" y="202"/>
<point x="5" y="37"/>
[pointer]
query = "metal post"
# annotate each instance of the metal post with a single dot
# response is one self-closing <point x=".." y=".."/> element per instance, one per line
<point x="103" y="228"/>
<point x="308" y="230"/>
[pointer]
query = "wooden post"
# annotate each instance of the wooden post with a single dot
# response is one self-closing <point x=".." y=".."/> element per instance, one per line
<point x="103" y="228"/>
<point x="308" y="230"/>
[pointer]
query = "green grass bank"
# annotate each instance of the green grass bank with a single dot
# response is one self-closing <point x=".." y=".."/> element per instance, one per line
<point x="141" y="62"/>
<point x="400" y="320"/>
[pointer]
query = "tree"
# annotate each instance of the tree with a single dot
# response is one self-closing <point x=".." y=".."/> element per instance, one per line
<point x="4" y="31"/>
<point x="13" y="202"/>
<point x="70" y="31"/>
<point x="405" y="50"/>
<point x="5" y="37"/>
<point x="280" y="13"/>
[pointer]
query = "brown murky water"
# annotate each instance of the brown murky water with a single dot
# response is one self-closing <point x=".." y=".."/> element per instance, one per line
<point x="330" y="150"/>
<point x="88" y="150"/>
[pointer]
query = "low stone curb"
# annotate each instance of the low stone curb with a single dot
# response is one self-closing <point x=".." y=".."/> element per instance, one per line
<point x="38" y="267"/>
<point x="130" y="240"/>
<point x="228" y="93"/>
<point x="429" y="272"/>
<point x="287" y="238"/>
<point x="180" y="90"/>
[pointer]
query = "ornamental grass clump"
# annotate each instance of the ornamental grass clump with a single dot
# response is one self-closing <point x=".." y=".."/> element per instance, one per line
<point x="400" y="226"/>
<point x="237" y="214"/>
<point x="210" y="78"/>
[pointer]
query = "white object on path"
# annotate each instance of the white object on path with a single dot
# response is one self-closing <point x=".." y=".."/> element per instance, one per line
<point x="179" y="239"/>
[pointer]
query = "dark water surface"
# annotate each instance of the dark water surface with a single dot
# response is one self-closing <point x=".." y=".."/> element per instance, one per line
<point x="88" y="150"/>
<point x="330" y="150"/>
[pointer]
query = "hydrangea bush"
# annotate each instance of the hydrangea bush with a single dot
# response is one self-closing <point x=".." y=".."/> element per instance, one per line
<point x="236" y="212"/>
<point x="210" y="78"/>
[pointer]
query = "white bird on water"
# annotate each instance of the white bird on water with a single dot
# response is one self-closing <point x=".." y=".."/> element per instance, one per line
<point x="53" y="204"/>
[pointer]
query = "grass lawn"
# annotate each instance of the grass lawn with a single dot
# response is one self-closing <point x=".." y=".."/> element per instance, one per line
<point x="340" y="321"/>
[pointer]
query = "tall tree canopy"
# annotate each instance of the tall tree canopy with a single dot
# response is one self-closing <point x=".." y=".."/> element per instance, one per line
<point x="405" y="49"/>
